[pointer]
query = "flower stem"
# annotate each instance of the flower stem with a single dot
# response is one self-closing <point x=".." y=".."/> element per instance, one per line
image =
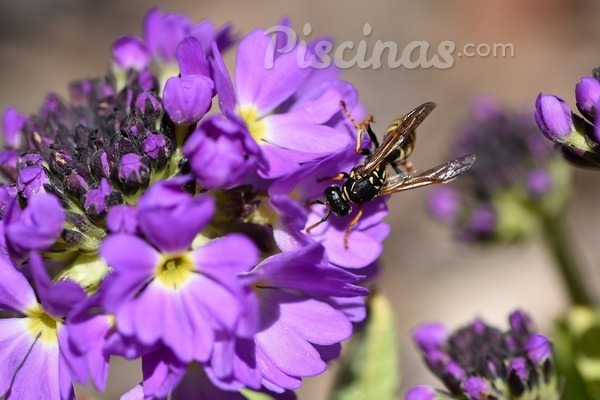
<point x="559" y="246"/>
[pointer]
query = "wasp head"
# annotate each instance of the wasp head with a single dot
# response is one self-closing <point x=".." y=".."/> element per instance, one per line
<point x="336" y="201"/>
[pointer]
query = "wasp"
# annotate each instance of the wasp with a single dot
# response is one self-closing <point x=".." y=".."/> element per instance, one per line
<point x="369" y="180"/>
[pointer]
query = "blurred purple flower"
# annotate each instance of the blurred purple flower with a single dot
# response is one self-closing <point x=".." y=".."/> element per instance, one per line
<point x="479" y="361"/>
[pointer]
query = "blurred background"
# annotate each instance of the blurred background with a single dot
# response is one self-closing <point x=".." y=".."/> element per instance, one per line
<point x="46" y="44"/>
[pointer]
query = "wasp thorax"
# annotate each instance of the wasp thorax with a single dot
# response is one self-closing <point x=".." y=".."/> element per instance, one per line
<point x="336" y="201"/>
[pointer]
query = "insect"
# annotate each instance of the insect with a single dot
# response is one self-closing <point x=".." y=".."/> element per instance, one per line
<point x="369" y="180"/>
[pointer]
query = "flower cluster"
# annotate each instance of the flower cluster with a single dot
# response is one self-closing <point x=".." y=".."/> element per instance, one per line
<point x="578" y="138"/>
<point x="480" y="362"/>
<point x="516" y="179"/>
<point x="137" y="224"/>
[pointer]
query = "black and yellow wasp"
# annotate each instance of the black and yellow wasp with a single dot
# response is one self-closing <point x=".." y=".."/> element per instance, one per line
<point x="369" y="180"/>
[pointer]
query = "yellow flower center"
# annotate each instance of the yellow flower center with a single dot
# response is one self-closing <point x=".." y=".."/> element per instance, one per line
<point x="175" y="270"/>
<point x="42" y="325"/>
<point x="257" y="126"/>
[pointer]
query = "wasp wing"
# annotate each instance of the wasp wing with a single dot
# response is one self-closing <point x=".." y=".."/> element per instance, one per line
<point x="396" y="138"/>
<point x="440" y="174"/>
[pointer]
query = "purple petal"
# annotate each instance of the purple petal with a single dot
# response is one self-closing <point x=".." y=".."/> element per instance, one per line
<point x="122" y="219"/>
<point x="16" y="342"/>
<point x="12" y="124"/>
<point x="226" y="257"/>
<point x="130" y="52"/>
<point x="587" y="94"/>
<point x="294" y="133"/>
<point x="260" y="86"/>
<point x="39" y="376"/>
<point x="554" y="118"/>
<point x="223" y="84"/>
<point x="188" y="98"/>
<point x="39" y="225"/>
<point x="421" y="393"/>
<point x="191" y="57"/>
<point x="430" y="336"/>
<point x="163" y="32"/>
<point x="538" y="348"/>
<point x="15" y="292"/>
<point x="171" y="218"/>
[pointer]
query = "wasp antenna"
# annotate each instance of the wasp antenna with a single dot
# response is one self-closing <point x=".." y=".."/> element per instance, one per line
<point x="320" y="222"/>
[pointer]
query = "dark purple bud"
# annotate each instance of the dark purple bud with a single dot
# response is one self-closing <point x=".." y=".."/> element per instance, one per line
<point x="134" y="125"/>
<point x="37" y="226"/>
<point x="188" y="98"/>
<point x="130" y="52"/>
<point x="421" y="393"/>
<point x="122" y="219"/>
<point x="518" y="375"/>
<point x="100" y="198"/>
<point x="148" y="105"/>
<point x="59" y="160"/>
<point x="154" y="145"/>
<point x="221" y="153"/>
<point x="134" y="172"/>
<point x="554" y="118"/>
<point x="12" y="125"/>
<point x="538" y="348"/>
<point x="430" y="336"/>
<point x="587" y="95"/>
<point x="520" y="322"/>
<point x="147" y="80"/>
<point x="76" y="181"/>
<point x="101" y="165"/>
<point x="444" y="203"/>
<point x="453" y="376"/>
<point x="31" y="181"/>
<point x="478" y="388"/>
<point x="482" y="220"/>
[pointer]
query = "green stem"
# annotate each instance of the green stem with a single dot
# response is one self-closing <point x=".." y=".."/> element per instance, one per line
<point x="559" y="246"/>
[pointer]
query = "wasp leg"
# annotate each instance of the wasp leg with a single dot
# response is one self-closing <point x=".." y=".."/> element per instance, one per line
<point x="352" y="224"/>
<point x="372" y="135"/>
<point x="408" y="166"/>
<point x="320" y="222"/>
<point x="311" y="202"/>
<point x="359" y="129"/>
<point x="339" y="177"/>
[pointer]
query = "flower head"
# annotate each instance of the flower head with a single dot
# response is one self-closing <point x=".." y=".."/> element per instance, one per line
<point x="177" y="231"/>
<point x="516" y="180"/>
<point x="479" y="362"/>
<point x="577" y="137"/>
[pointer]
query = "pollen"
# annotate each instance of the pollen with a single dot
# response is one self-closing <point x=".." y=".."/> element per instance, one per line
<point x="257" y="126"/>
<point x="42" y="325"/>
<point x="175" y="270"/>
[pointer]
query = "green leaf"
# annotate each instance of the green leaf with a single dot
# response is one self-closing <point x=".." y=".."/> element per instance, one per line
<point x="370" y="365"/>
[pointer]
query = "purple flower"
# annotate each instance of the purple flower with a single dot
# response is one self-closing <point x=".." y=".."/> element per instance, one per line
<point x="554" y="117"/>
<point x="188" y="97"/>
<point x="221" y="153"/>
<point x="34" y="228"/>
<point x="517" y="176"/>
<point x="421" y="393"/>
<point x="191" y="293"/>
<point x="295" y="296"/>
<point x="161" y="240"/>
<point x="578" y="138"/>
<point x="299" y="134"/>
<point x="480" y="362"/>
<point x="33" y="364"/>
